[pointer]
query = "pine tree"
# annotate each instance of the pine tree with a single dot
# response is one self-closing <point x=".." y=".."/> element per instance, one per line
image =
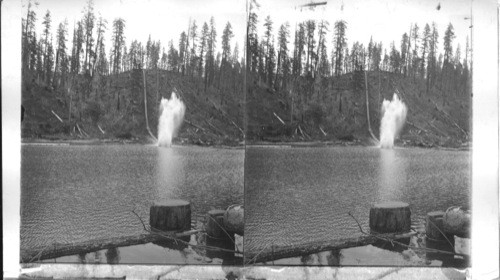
<point x="227" y="35"/>
<point x="47" y="21"/>
<point x="426" y="36"/>
<point x="283" y="39"/>
<point x="182" y="51"/>
<point x="299" y="50"/>
<point x="192" y="56"/>
<point x="88" y="25"/>
<point x="77" y="48"/>
<point x="395" y="59"/>
<point x="322" y="65"/>
<point x="100" y="53"/>
<point x="164" y="60"/>
<point x="39" y="60"/>
<point x="252" y="42"/>
<point x="210" y="57"/>
<point x="404" y="50"/>
<point x="340" y="42"/>
<point x="29" y="41"/>
<point x="173" y="58"/>
<point x="449" y="35"/>
<point x="60" y="65"/>
<point x="49" y="62"/>
<point x="310" y="45"/>
<point x="118" y="43"/>
<point x="203" y="49"/>
<point x="271" y="63"/>
<point x="414" y="55"/>
<point x="432" y="58"/>
<point x="155" y="54"/>
<point x="268" y="29"/>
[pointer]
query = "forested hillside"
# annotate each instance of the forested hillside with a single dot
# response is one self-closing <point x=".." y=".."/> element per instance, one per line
<point x="308" y="83"/>
<point x="73" y="89"/>
<point x="298" y="91"/>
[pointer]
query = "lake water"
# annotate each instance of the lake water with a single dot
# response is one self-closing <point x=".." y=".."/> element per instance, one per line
<point x="74" y="193"/>
<point x="300" y="195"/>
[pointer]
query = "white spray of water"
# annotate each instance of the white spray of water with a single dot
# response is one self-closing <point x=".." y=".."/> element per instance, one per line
<point x="393" y="119"/>
<point x="171" y="116"/>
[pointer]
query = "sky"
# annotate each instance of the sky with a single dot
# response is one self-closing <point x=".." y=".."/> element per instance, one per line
<point x="164" y="20"/>
<point x="385" y="20"/>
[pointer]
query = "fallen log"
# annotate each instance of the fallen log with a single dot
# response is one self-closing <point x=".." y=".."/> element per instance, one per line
<point x="289" y="251"/>
<point x="194" y="125"/>
<point x="224" y="114"/>
<point x="57" y="116"/>
<point x="324" y="133"/>
<point x="58" y="250"/>
<point x="449" y="119"/>
<point x="281" y="121"/>
<point x="102" y="131"/>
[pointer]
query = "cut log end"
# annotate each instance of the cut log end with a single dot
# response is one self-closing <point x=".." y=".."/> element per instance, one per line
<point x="170" y="215"/>
<point x="390" y="217"/>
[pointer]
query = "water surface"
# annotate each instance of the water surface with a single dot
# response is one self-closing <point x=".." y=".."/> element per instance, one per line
<point x="299" y="195"/>
<point x="77" y="193"/>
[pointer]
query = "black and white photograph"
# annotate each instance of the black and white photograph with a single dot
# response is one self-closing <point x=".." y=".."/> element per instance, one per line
<point x="250" y="139"/>
<point x="359" y="133"/>
<point x="132" y="132"/>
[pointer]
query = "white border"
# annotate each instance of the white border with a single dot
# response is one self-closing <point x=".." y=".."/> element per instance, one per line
<point x="485" y="196"/>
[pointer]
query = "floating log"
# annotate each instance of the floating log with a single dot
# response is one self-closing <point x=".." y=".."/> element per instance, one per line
<point x="457" y="222"/>
<point x="170" y="215"/>
<point x="57" y="250"/>
<point x="289" y="251"/>
<point x="392" y="216"/>
<point x="215" y="225"/>
<point x="234" y="219"/>
<point x="434" y="226"/>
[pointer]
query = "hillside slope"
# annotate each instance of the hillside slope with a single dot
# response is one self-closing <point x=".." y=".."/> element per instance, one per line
<point x="336" y="110"/>
<point x="113" y="108"/>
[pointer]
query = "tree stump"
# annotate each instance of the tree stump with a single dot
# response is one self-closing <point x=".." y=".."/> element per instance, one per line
<point x="434" y="226"/>
<point x="389" y="217"/>
<point x="170" y="215"/>
<point x="215" y="224"/>
<point x="234" y="219"/>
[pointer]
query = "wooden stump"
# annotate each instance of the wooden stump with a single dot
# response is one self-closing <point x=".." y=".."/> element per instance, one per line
<point x="234" y="219"/>
<point x="170" y="215"/>
<point x="434" y="226"/>
<point x="387" y="217"/>
<point x="215" y="225"/>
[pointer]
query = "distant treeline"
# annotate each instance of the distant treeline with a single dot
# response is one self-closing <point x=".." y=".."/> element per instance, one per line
<point x="54" y="61"/>
<point x="279" y="68"/>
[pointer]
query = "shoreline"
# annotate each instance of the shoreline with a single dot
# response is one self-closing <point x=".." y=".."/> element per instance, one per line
<point x="240" y="145"/>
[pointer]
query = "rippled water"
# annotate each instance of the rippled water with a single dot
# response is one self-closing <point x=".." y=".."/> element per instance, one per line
<point x="299" y="195"/>
<point x="77" y="193"/>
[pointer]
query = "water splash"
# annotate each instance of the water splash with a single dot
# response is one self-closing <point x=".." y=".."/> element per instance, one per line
<point x="393" y="119"/>
<point x="171" y="116"/>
